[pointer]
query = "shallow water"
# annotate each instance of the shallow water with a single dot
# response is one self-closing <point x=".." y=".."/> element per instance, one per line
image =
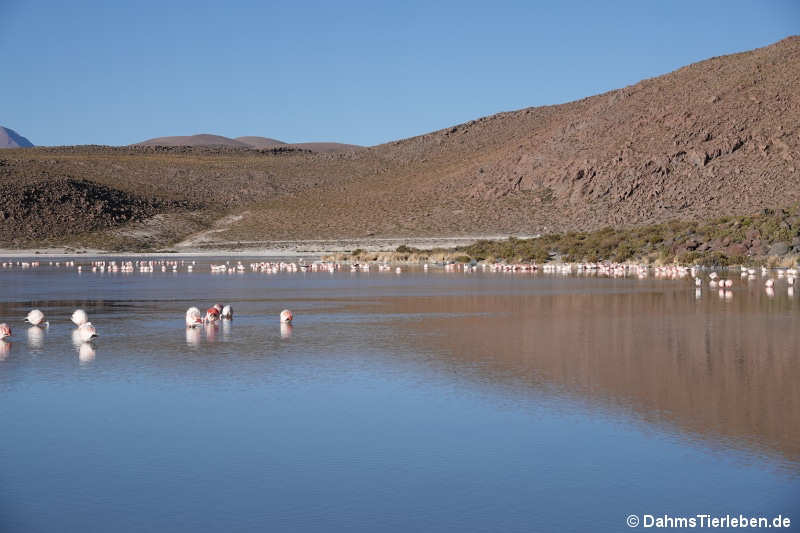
<point x="429" y="401"/>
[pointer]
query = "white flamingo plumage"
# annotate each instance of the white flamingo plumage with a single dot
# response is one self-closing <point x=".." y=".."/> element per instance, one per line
<point x="79" y="317"/>
<point x="193" y="317"/>
<point x="87" y="332"/>
<point x="35" y="317"/>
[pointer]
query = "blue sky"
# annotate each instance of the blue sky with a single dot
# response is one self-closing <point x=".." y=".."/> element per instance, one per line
<point x="361" y="72"/>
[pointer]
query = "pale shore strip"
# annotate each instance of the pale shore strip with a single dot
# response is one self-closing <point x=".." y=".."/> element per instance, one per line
<point x="278" y="248"/>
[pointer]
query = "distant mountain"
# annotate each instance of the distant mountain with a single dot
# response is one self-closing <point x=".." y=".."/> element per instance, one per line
<point x="260" y="143"/>
<point x="202" y="139"/>
<point x="11" y="139"/>
<point x="253" y="142"/>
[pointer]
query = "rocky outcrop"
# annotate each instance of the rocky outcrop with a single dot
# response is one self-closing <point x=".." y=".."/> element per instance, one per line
<point x="56" y="208"/>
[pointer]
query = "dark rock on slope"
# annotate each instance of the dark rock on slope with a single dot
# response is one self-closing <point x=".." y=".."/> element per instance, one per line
<point x="56" y="208"/>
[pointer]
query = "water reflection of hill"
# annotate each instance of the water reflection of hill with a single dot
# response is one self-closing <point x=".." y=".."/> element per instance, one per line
<point x="722" y="370"/>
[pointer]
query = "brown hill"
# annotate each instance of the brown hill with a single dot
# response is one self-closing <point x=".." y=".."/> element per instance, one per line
<point x="260" y="143"/>
<point x="327" y="147"/>
<point x="202" y="139"/>
<point x="717" y="137"/>
<point x="254" y="142"/>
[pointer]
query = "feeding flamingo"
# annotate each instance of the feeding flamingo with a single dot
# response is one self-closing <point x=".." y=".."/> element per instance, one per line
<point x="212" y="314"/>
<point x="35" y="317"/>
<point x="193" y="317"/>
<point x="87" y="332"/>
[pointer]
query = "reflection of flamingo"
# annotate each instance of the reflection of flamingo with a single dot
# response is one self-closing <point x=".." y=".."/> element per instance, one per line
<point x="79" y="317"/>
<point x="5" y="349"/>
<point x="193" y="337"/>
<point x="5" y="330"/>
<point x="286" y="330"/>
<point x="286" y="316"/>
<point x="86" y="353"/>
<point x="35" y="337"/>
<point x="211" y="332"/>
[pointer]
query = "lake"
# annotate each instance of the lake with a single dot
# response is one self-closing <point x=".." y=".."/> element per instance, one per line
<point x="427" y="401"/>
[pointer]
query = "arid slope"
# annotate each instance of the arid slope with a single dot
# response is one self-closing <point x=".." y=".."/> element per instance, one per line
<point x="718" y="137"/>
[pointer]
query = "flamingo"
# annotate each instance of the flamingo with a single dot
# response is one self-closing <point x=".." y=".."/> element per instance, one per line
<point x="193" y="317"/>
<point x="286" y="316"/>
<point x="79" y="317"/>
<point x="5" y="330"/>
<point x="769" y="283"/>
<point x="227" y="312"/>
<point x="35" y="317"/>
<point x="87" y="332"/>
<point x="212" y="314"/>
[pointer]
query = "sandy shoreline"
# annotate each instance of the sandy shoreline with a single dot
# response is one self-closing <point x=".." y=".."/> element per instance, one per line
<point x="279" y="248"/>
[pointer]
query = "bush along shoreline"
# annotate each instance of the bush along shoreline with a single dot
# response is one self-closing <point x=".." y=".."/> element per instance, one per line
<point x="771" y="238"/>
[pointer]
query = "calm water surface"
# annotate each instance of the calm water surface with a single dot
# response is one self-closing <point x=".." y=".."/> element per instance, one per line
<point x="428" y="402"/>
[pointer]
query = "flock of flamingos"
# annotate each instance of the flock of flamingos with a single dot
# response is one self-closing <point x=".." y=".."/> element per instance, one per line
<point x="86" y="331"/>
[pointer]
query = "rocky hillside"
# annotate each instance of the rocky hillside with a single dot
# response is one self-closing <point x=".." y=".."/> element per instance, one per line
<point x="719" y="137"/>
<point x="716" y="137"/>
<point x="45" y="209"/>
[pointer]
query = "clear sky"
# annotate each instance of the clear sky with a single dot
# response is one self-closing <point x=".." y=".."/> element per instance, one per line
<point x="111" y="72"/>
